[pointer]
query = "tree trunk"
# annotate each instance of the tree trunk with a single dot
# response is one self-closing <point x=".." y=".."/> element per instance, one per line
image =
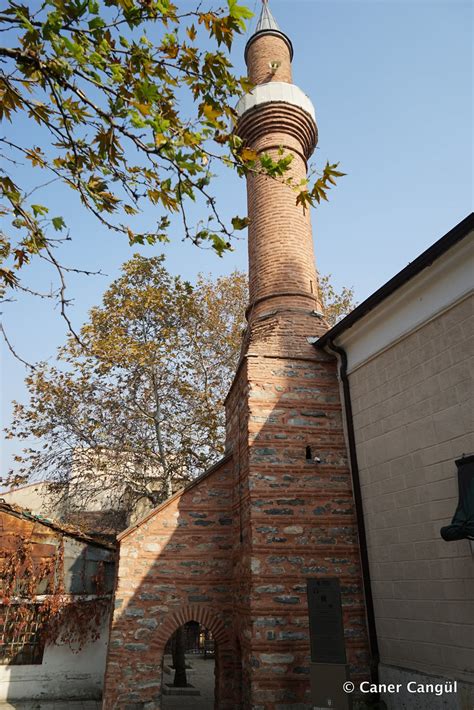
<point x="159" y="439"/>
<point x="179" y="660"/>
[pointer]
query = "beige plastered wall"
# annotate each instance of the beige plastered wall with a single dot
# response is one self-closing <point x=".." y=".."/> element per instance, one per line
<point x="413" y="417"/>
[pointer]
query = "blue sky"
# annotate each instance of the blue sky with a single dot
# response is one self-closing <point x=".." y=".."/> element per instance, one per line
<point x="391" y="81"/>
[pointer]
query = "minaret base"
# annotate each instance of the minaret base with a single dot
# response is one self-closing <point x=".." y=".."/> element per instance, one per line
<point x="294" y="512"/>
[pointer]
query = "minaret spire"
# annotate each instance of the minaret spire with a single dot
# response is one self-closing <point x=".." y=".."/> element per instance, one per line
<point x="268" y="26"/>
<point x="266" y="21"/>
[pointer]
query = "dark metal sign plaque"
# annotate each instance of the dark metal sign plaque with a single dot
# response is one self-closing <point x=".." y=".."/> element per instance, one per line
<point x="326" y="627"/>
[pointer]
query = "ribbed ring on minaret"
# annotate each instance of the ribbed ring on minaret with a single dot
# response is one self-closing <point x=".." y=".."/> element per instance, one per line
<point x="278" y="107"/>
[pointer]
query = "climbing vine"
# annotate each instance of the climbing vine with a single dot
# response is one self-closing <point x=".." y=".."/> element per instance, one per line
<point x="34" y="588"/>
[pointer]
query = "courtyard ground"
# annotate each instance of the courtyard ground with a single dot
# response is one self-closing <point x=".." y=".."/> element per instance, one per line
<point x="201" y="676"/>
<point x="52" y="705"/>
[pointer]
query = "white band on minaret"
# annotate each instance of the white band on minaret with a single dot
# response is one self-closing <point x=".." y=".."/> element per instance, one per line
<point x="275" y="92"/>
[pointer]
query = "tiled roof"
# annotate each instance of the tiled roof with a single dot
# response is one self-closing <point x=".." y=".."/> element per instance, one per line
<point x="70" y="530"/>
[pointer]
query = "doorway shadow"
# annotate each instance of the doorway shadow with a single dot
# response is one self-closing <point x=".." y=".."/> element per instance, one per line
<point x="196" y="691"/>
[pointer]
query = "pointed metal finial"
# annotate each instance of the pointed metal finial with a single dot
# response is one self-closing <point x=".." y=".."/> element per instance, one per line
<point x="266" y="21"/>
<point x="268" y="24"/>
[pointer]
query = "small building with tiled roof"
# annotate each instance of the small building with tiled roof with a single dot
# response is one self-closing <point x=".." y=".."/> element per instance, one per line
<point x="56" y="584"/>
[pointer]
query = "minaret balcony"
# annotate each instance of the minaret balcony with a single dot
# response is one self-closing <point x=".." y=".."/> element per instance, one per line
<point x="278" y="109"/>
<point x="276" y="91"/>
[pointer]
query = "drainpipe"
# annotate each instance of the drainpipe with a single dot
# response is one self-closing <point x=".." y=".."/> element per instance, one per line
<point x="364" y="558"/>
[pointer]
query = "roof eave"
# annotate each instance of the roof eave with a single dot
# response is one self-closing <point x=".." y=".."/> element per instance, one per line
<point x="62" y="528"/>
<point x="440" y="247"/>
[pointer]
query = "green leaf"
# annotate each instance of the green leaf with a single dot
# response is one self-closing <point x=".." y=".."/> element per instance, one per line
<point x="39" y="210"/>
<point x="58" y="223"/>
<point x="24" y="19"/>
<point x="239" y="12"/>
<point x="137" y="121"/>
<point x="239" y="223"/>
<point x="96" y="24"/>
<point x="219" y="244"/>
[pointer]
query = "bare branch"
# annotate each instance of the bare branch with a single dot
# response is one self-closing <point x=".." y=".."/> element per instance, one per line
<point x="13" y="351"/>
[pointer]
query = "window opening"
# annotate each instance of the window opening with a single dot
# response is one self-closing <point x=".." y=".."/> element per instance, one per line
<point x="21" y="641"/>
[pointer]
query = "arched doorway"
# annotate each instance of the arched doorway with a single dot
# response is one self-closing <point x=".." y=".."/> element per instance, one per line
<point x="189" y="669"/>
<point x="226" y="676"/>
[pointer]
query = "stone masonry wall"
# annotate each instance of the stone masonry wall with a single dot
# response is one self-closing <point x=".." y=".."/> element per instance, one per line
<point x="413" y="417"/>
<point x="297" y="516"/>
<point x="174" y="567"/>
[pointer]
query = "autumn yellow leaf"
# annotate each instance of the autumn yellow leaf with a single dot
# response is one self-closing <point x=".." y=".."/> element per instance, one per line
<point x="248" y="154"/>
<point x="211" y="113"/>
<point x="143" y="108"/>
<point x="160" y="139"/>
<point x="191" y="32"/>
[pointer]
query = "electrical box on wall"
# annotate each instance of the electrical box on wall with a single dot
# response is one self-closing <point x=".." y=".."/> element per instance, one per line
<point x="327" y="686"/>
<point x="326" y="626"/>
<point x="328" y="671"/>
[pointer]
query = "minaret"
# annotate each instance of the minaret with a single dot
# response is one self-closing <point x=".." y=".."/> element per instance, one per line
<point x="277" y="115"/>
<point x="292" y="494"/>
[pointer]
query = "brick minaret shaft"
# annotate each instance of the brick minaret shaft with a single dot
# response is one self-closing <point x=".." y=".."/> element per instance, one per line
<point x="294" y="517"/>
<point x="277" y="115"/>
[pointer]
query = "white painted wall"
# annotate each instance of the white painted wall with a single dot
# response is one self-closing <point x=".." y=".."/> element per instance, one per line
<point x="410" y="376"/>
<point x="437" y="288"/>
<point x="63" y="674"/>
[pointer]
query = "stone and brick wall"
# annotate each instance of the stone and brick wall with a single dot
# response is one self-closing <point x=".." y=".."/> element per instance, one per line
<point x="235" y="549"/>
<point x="174" y="567"/>
<point x="413" y="417"/>
<point x="297" y="516"/>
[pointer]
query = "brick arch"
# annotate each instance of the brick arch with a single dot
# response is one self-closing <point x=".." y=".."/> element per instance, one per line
<point x="194" y="612"/>
<point x="227" y="690"/>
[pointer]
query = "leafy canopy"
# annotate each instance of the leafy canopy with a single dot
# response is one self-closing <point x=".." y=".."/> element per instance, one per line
<point x="139" y="411"/>
<point x="105" y="82"/>
<point x="123" y="101"/>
